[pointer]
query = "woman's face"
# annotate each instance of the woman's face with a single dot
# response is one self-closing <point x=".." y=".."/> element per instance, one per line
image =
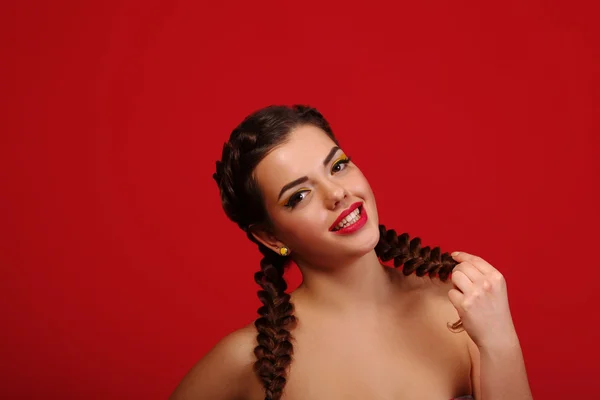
<point x="307" y="183"/>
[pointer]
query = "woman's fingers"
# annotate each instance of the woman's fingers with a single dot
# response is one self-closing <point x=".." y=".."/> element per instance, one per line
<point x="462" y="281"/>
<point x="456" y="298"/>
<point x="472" y="272"/>
<point x="478" y="262"/>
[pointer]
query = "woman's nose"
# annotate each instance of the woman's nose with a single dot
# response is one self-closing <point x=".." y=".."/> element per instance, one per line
<point x="335" y="195"/>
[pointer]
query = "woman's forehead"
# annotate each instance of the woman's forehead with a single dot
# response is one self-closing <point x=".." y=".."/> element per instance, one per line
<point x="301" y="154"/>
<point x="304" y="143"/>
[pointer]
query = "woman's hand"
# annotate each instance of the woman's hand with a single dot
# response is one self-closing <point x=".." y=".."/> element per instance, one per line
<point x="479" y="295"/>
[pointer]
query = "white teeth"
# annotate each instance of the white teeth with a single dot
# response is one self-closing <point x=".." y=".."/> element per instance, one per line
<point x="350" y="219"/>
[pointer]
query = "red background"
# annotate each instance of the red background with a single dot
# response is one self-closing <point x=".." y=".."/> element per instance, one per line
<point x="476" y="125"/>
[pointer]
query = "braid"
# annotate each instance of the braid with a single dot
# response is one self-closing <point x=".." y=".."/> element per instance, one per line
<point x="274" y="350"/>
<point x="241" y="198"/>
<point x="415" y="259"/>
<point x="243" y="204"/>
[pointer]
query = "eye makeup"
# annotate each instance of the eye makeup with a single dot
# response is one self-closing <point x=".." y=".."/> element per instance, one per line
<point x="295" y="198"/>
<point x="338" y="165"/>
<point x="339" y="162"/>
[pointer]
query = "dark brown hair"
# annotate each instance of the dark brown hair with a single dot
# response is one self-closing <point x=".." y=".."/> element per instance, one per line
<point x="242" y="201"/>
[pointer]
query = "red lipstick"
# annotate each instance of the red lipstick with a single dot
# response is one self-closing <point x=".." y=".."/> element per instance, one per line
<point x="355" y="226"/>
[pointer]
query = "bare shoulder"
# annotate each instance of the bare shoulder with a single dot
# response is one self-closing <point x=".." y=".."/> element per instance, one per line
<point x="437" y="292"/>
<point x="424" y="286"/>
<point x="431" y="293"/>
<point x="225" y="372"/>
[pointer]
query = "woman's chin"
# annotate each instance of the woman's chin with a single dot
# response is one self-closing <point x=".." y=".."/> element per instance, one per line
<point x="363" y="241"/>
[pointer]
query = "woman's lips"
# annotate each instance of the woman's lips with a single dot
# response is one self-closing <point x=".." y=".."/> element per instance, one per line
<point x="362" y="220"/>
<point x="344" y="214"/>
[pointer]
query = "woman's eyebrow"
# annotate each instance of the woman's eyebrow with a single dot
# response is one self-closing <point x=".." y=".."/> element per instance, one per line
<point x="291" y="185"/>
<point x="332" y="152"/>
<point x="303" y="179"/>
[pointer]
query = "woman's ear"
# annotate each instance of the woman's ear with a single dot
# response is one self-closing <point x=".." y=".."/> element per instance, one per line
<point x="265" y="236"/>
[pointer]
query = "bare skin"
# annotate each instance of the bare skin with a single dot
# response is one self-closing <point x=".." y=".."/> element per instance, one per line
<point x="402" y="350"/>
<point x="364" y="331"/>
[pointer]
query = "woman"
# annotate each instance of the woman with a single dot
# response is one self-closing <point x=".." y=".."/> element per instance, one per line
<point x="354" y="328"/>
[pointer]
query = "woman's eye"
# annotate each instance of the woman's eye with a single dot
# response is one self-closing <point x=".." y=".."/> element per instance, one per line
<point x="340" y="165"/>
<point x="296" y="198"/>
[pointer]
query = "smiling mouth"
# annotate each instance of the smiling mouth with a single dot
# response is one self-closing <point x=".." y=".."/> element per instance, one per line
<point x="349" y="220"/>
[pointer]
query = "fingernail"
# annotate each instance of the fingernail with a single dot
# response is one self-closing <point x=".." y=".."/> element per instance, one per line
<point x="455" y="253"/>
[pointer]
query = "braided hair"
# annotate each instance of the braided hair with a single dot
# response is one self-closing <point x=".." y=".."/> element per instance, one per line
<point x="242" y="201"/>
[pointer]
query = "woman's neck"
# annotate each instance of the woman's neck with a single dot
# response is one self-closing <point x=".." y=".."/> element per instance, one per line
<point x="352" y="285"/>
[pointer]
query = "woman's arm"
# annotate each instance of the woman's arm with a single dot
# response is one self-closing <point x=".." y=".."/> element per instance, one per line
<point x="480" y="297"/>
<point x="499" y="373"/>
<point x="224" y="373"/>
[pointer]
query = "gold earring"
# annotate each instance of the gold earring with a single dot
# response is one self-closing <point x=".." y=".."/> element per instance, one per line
<point x="284" y="251"/>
